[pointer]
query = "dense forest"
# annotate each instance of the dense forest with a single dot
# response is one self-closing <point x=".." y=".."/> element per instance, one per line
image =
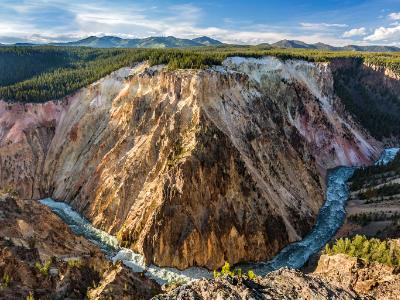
<point x="18" y="64"/>
<point x="27" y="76"/>
<point x="39" y="74"/>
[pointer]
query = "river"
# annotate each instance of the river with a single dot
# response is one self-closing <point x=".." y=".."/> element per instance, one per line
<point x="295" y="255"/>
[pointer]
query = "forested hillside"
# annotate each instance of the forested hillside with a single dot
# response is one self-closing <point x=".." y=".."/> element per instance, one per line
<point x="373" y="175"/>
<point x="39" y="74"/>
<point x="20" y="63"/>
<point x="373" y="208"/>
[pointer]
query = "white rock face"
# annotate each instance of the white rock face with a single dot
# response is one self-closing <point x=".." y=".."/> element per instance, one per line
<point x="338" y="140"/>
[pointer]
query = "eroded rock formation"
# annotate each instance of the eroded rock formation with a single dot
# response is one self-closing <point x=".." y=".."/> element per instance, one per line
<point x="41" y="257"/>
<point x="365" y="278"/>
<point x="336" y="277"/>
<point x="281" y="284"/>
<point x="26" y="131"/>
<point x="193" y="167"/>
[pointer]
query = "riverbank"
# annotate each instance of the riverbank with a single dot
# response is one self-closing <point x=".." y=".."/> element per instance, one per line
<point x="330" y="219"/>
<point x="373" y="208"/>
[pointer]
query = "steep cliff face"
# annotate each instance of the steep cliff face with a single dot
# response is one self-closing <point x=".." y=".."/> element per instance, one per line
<point x="26" y="132"/>
<point x="369" y="279"/>
<point x="40" y="256"/>
<point x="372" y="95"/>
<point x="304" y="93"/>
<point x="198" y="167"/>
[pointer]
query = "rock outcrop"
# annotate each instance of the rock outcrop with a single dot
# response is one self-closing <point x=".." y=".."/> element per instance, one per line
<point x="336" y="277"/>
<point x="118" y="282"/>
<point x="41" y="257"/>
<point x="368" y="279"/>
<point x="193" y="167"/>
<point x="26" y="131"/>
<point x="282" y="284"/>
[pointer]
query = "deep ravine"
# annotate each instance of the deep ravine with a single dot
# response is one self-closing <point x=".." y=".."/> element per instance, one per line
<point x="295" y="255"/>
<point x="190" y="167"/>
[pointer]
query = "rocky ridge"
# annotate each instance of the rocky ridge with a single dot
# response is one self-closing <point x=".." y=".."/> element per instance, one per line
<point x="136" y="153"/>
<point x="40" y="257"/>
<point x="336" y="277"/>
<point x="281" y="284"/>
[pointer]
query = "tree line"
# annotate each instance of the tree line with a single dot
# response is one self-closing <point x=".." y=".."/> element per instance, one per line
<point x="39" y="74"/>
<point x="370" y="250"/>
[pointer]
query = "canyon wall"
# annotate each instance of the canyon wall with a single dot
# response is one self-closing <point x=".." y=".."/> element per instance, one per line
<point x="371" y="94"/>
<point x="26" y="132"/>
<point x="190" y="167"/>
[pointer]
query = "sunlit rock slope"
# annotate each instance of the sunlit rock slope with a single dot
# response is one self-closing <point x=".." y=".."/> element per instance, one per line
<point x="189" y="167"/>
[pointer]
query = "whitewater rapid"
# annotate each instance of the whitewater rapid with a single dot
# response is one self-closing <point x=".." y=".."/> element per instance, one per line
<point x="295" y="255"/>
<point x="109" y="244"/>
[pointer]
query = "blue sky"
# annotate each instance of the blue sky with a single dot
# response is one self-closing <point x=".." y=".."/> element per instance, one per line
<point x="251" y="22"/>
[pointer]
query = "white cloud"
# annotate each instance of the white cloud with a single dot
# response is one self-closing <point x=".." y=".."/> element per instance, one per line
<point x="321" y="26"/>
<point x="355" y="32"/>
<point x="394" y="16"/>
<point x="385" y="34"/>
<point x="74" y="20"/>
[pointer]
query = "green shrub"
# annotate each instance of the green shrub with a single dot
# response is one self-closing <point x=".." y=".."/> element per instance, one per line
<point x="30" y="296"/>
<point x="227" y="272"/>
<point x="251" y="275"/>
<point x="43" y="268"/>
<point x="74" y="263"/>
<point x="369" y="250"/>
<point x="5" y="282"/>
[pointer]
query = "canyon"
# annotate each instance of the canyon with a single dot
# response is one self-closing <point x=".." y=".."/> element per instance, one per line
<point x="190" y="167"/>
<point x="41" y="258"/>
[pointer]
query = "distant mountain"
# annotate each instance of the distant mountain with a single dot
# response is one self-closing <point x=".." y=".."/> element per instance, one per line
<point x="166" y="42"/>
<point x="98" y="42"/>
<point x="24" y="44"/>
<point x="173" y="42"/>
<point x="321" y="46"/>
<point x="372" y="48"/>
<point x="264" y="46"/>
<point x="18" y="45"/>
<point x="292" y="44"/>
<point x="150" y="42"/>
<point x="207" y="41"/>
